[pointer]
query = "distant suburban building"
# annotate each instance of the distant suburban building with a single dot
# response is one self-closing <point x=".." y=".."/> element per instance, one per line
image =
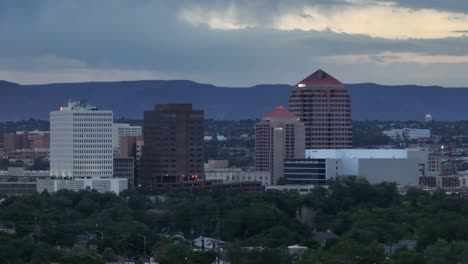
<point x="173" y="147"/>
<point x="278" y="136"/>
<point x="81" y="141"/>
<point x="26" y="145"/>
<point x="407" y="133"/>
<point x="209" y="243"/>
<point x="26" y="140"/>
<point x="402" y="166"/>
<point x="324" y="105"/>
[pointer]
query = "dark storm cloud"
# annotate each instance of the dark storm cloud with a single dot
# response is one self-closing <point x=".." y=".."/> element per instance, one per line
<point x="447" y="5"/>
<point x="149" y="35"/>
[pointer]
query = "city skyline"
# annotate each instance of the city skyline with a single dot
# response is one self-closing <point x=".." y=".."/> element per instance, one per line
<point x="235" y="43"/>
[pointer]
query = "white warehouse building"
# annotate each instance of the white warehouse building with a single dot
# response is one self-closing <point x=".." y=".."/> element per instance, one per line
<point x="402" y="166"/>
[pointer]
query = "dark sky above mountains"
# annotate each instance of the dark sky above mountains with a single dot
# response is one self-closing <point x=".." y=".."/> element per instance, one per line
<point x="235" y="42"/>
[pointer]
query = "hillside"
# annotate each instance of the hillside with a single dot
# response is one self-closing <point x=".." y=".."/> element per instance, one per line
<point x="131" y="98"/>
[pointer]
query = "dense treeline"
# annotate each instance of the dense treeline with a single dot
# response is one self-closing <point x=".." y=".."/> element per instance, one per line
<point x="91" y="227"/>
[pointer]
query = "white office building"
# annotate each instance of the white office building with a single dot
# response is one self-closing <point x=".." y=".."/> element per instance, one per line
<point x="402" y="166"/>
<point x="407" y="133"/>
<point x="81" y="143"/>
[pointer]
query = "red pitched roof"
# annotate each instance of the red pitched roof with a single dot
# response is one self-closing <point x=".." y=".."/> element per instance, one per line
<point x="319" y="77"/>
<point x="279" y="112"/>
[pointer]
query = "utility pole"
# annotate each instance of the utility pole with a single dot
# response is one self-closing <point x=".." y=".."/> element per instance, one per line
<point x="217" y="232"/>
<point x="144" y="243"/>
<point x="101" y="232"/>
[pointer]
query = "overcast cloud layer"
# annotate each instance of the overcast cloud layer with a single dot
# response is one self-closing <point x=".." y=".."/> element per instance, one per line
<point x="235" y="43"/>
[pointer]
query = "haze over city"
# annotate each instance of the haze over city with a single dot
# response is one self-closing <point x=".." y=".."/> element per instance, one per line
<point x="235" y="43"/>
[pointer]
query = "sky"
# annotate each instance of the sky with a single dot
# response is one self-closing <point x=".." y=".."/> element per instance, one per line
<point x="235" y="43"/>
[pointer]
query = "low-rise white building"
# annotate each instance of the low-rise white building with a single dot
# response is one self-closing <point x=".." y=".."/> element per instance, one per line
<point x="300" y="188"/>
<point x="232" y="175"/>
<point x="102" y="185"/>
<point x="402" y="166"/>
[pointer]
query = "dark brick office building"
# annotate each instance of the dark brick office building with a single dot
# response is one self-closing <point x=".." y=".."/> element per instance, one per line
<point x="173" y="150"/>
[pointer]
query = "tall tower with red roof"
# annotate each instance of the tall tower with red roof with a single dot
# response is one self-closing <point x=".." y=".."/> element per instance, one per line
<point x="279" y="136"/>
<point x="324" y="105"/>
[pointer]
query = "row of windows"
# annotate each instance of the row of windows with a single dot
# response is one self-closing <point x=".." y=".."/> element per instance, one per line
<point x="92" y="114"/>
<point x="306" y="107"/>
<point x="319" y="92"/>
<point x="325" y="114"/>
<point x="92" y="156"/>
<point x="314" y="100"/>
<point x="344" y="122"/>
<point x="100" y="135"/>
<point x="91" y="173"/>
<point x="92" y="120"/>
<point x="92" y="162"/>
<point x="92" y="146"/>
<point x="92" y="167"/>
<point x="90" y="151"/>
<point x="92" y="141"/>
<point x="334" y="143"/>
<point x="92" y="130"/>
<point x="92" y="125"/>
<point x="329" y="134"/>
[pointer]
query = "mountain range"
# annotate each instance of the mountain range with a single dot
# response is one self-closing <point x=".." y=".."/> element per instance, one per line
<point x="130" y="98"/>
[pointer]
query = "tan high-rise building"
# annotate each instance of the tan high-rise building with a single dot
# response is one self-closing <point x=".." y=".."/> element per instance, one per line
<point x="324" y="105"/>
<point x="279" y="136"/>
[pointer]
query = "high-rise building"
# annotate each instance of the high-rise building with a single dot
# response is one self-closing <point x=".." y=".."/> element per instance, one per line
<point x="279" y="136"/>
<point x="81" y="141"/>
<point x="173" y="146"/>
<point x="124" y="130"/>
<point x="324" y="105"/>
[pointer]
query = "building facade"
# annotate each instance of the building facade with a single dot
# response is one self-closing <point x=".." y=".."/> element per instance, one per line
<point x="233" y="175"/>
<point x="119" y="131"/>
<point x="310" y="171"/>
<point x="279" y="136"/>
<point x="173" y="147"/>
<point x="102" y="185"/>
<point x="124" y="167"/>
<point x="324" y="105"/>
<point x="26" y="140"/>
<point x="402" y="166"/>
<point x="81" y="141"/>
